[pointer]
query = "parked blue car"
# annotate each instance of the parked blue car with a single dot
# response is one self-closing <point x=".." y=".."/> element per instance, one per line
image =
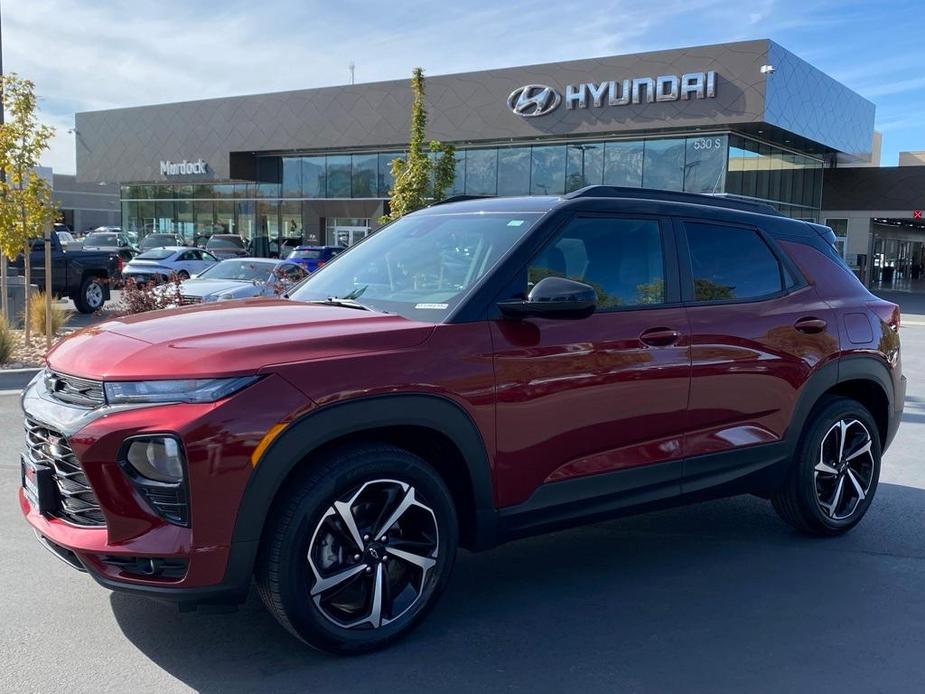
<point x="313" y="257"/>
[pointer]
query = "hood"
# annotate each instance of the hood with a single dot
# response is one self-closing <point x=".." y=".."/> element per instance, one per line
<point x="205" y="287"/>
<point x="228" y="339"/>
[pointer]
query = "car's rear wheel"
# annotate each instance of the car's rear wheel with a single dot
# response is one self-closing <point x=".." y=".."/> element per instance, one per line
<point x="91" y="297"/>
<point x="836" y="472"/>
<point x="359" y="549"/>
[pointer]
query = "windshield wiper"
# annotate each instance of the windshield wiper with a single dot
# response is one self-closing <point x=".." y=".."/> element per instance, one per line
<point x="346" y="303"/>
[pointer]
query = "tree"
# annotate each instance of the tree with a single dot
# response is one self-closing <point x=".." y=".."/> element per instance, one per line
<point x="26" y="206"/>
<point x="413" y="176"/>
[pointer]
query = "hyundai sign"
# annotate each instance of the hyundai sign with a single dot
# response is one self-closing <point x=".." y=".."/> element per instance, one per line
<point x="534" y="100"/>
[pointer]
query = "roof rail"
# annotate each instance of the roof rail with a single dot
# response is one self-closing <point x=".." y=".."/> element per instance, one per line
<point x="712" y="199"/>
<point x="459" y="198"/>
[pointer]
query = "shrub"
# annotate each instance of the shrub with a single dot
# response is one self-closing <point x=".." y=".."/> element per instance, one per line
<point x="59" y="316"/>
<point x="140" y="298"/>
<point x="6" y="341"/>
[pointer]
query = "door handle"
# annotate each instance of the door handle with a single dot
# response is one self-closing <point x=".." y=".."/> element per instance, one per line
<point x="810" y="326"/>
<point x="659" y="337"/>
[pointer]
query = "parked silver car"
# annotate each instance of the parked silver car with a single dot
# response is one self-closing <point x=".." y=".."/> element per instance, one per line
<point x="159" y="264"/>
<point x="240" y="278"/>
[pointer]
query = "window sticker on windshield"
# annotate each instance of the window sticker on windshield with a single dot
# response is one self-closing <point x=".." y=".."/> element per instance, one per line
<point x="437" y="307"/>
<point x="515" y="222"/>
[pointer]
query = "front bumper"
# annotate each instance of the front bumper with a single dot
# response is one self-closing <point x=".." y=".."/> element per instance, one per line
<point x="219" y="439"/>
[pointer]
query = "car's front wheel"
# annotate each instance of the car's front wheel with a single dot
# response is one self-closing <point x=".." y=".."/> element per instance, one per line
<point x="836" y="471"/>
<point x="359" y="549"/>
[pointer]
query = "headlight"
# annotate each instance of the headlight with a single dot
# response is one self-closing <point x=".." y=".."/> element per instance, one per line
<point x="157" y="458"/>
<point x="185" y="390"/>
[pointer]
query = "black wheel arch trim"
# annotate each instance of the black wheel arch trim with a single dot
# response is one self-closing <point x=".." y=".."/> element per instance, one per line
<point x="330" y="422"/>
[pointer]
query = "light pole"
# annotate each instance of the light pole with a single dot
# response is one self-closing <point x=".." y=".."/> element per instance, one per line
<point x="4" y="285"/>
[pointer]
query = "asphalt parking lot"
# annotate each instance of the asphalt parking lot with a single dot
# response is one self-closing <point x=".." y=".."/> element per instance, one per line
<point x="720" y="597"/>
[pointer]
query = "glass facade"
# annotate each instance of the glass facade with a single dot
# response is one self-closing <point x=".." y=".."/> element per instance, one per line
<point x="275" y="207"/>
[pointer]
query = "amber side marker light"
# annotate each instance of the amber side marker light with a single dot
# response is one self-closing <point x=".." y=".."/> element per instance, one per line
<point x="265" y="442"/>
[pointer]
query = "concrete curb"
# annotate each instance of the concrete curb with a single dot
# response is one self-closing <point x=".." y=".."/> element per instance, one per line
<point x="14" y="380"/>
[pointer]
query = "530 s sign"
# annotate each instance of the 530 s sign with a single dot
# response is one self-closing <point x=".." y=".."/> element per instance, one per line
<point x="533" y="100"/>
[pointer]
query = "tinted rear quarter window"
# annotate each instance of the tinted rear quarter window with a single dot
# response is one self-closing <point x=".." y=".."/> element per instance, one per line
<point x="730" y="263"/>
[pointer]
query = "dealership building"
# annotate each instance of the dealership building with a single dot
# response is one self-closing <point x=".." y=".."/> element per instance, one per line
<point x="746" y="119"/>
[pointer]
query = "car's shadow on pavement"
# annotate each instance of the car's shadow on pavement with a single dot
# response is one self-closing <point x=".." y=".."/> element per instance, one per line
<point x="716" y="597"/>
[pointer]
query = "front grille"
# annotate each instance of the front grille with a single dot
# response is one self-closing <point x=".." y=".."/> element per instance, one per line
<point x="73" y="390"/>
<point x="76" y="501"/>
<point x="187" y="300"/>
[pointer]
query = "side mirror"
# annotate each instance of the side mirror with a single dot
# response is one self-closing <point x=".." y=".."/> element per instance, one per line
<point x="553" y="297"/>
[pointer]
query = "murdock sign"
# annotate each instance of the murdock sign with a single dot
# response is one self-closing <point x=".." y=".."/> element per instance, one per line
<point x="534" y="100"/>
<point x="184" y="168"/>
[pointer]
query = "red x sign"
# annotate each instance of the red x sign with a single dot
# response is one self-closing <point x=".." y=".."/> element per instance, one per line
<point x="916" y="214"/>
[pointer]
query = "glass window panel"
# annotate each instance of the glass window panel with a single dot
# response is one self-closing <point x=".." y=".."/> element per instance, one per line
<point x="459" y="174"/>
<point x="244" y="190"/>
<point x="266" y="242"/>
<point x="147" y="216"/>
<point x="365" y="175"/>
<point x="584" y="166"/>
<point x="731" y="263"/>
<point x="775" y="165"/>
<point x="623" y="164"/>
<point x="796" y="189"/>
<point x="163" y="192"/>
<point x="268" y="177"/>
<point x="130" y="217"/>
<point x="621" y="258"/>
<point x="663" y="167"/>
<point x="184" y="227"/>
<point x="385" y="172"/>
<point x="223" y="191"/>
<point x="788" y="164"/>
<point x="246" y="221"/>
<point x="313" y="177"/>
<point x="290" y="218"/>
<point x="482" y="172"/>
<point x="338" y="175"/>
<point x="763" y="176"/>
<point x="204" y="221"/>
<point x="224" y="217"/>
<point x="292" y="177"/>
<point x="547" y="170"/>
<point x="165" y="215"/>
<point x="705" y="164"/>
<point x="514" y="171"/>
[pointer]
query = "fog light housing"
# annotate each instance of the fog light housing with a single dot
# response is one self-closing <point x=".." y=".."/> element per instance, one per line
<point x="158" y="458"/>
<point x="156" y="466"/>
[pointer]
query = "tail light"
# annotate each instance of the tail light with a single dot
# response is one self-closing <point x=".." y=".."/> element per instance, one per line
<point x="886" y="311"/>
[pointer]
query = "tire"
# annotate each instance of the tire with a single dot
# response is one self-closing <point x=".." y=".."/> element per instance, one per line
<point x="90" y="299"/>
<point x="308" y="542"/>
<point x="827" y="493"/>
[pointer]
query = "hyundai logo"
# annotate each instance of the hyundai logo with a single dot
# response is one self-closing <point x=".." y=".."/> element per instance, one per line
<point x="533" y="100"/>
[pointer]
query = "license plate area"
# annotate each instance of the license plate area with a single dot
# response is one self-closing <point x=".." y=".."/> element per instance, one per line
<point x="39" y="485"/>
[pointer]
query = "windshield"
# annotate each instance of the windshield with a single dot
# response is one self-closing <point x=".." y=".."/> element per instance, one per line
<point x="155" y="240"/>
<point x="240" y="270"/>
<point x="102" y="239"/>
<point x="225" y="242"/>
<point x="156" y="254"/>
<point x="311" y="254"/>
<point x="421" y="266"/>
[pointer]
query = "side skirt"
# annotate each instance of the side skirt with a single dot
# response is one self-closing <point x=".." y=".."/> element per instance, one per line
<point x="557" y="505"/>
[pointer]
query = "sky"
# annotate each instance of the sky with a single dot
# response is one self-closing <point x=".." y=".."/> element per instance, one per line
<point x="99" y="54"/>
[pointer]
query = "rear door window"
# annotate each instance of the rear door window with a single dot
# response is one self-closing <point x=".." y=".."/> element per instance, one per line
<point x="731" y="263"/>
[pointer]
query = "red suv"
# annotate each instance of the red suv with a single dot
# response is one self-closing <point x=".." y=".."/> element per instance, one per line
<point x="475" y="372"/>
